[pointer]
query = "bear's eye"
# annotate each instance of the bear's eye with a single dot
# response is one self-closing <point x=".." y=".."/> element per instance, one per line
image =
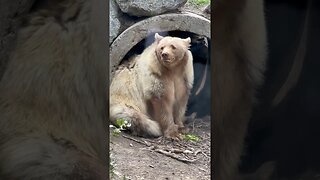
<point x="173" y="47"/>
<point x="161" y="48"/>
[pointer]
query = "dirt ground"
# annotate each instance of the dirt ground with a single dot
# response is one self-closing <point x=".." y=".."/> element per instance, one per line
<point x="138" y="158"/>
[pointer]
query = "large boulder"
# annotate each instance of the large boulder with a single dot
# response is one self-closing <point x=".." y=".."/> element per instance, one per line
<point x="114" y="23"/>
<point x="149" y="8"/>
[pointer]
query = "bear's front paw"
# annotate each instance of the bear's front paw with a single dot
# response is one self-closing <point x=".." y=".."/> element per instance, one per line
<point x="173" y="133"/>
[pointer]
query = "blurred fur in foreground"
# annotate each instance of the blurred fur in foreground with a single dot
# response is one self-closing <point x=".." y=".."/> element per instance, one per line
<point x="53" y="104"/>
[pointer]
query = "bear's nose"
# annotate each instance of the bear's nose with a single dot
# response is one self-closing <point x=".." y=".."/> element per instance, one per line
<point x="165" y="55"/>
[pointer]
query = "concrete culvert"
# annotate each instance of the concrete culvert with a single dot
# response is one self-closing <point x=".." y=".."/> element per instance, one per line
<point x="188" y="22"/>
<point x="140" y="35"/>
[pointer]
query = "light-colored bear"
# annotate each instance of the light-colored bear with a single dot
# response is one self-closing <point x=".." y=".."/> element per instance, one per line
<point x="153" y="94"/>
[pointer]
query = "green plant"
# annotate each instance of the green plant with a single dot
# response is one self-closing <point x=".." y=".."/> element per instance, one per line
<point x="122" y="125"/>
<point x="116" y="132"/>
<point x="199" y="2"/>
<point x="191" y="137"/>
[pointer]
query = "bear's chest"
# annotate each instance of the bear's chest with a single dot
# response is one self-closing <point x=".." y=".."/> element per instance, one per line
<point x="176" y="88"/>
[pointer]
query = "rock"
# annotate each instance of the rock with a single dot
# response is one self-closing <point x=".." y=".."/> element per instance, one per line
<point x="114" y="23"/>
<point x="149" y="8"/>
<point x="207" y="9"/>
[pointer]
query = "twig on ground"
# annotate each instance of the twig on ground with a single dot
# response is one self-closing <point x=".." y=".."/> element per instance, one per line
<point x="155" y="140"/>
<point x="204" y="154"/>
<point x="136" y="140"/>
<point x="175" y="157"/>
<point x="170" y="152"/>
<point x="202" y="169"/>
<point x="180" y="151"/>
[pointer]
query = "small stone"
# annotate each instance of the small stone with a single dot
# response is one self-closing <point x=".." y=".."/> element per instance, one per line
<point x="149" y="8"/>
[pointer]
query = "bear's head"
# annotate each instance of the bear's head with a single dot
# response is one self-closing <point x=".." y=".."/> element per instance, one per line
<point x="171" y="51"/>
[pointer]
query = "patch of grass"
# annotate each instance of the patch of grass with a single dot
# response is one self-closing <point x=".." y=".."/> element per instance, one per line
<point x="121" y="126"/>
<point x="116" y="132"/>
<point x="191" y="137"/>
<point x="199" y="2"/>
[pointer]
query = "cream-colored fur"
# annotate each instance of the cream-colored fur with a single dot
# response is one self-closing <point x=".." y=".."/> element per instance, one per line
<point x="52" y="95"/>
<point x="239" y="55"/>
<point x="153" y="94"/>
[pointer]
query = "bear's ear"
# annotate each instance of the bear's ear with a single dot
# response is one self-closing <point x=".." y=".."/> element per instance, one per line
<point x="187" y="41"/>
<point x="157" y="37"/>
